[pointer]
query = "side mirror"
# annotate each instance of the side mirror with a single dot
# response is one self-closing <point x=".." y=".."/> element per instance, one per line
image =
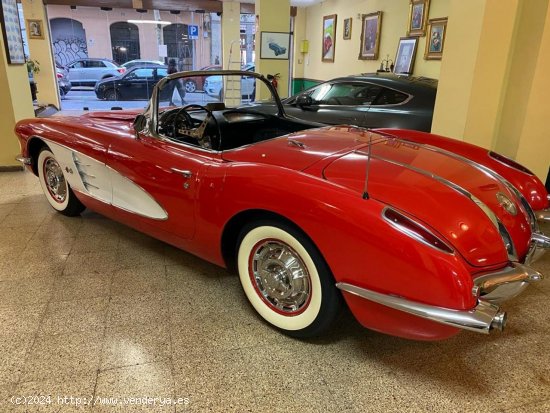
<point x="140" y="123"/>
<point x="304" y="101"/>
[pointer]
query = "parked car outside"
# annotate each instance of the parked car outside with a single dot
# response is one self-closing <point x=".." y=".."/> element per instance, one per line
<point x="137" y="83"/>
<point x="142" y="62"/>
<point x="213" y="85"/>
<point x="63" y="81"/>
<point x="87" y="71"/>
<point x="378" y="100"/>
<point x="420" y="236"/>
<point x="192" y="84"/>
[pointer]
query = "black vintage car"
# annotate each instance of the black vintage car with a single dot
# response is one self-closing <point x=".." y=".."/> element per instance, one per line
<point x="378" y="100"/>
<point x="136" y="83"/>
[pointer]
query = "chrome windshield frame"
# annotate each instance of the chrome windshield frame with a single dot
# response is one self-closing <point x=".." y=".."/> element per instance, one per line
<point x="151" y="113"/>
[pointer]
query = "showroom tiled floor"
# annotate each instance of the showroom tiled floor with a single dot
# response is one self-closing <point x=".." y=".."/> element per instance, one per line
<point x="92" y="309"/>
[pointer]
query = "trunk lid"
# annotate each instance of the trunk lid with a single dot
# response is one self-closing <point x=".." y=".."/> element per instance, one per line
<point x="439" y="190"/>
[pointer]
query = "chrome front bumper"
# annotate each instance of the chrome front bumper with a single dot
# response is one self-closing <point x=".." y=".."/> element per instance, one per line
<point x="491" y="289"/>
<point x="24" y="160"/>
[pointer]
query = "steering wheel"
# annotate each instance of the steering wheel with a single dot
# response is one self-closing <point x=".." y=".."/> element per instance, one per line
<point x="205" y="140"/>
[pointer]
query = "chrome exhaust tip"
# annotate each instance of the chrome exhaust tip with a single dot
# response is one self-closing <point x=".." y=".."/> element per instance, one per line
<point x="499" y="321"/>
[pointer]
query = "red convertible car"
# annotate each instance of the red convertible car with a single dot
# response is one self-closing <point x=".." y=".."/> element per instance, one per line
<point x="419" y="235"/>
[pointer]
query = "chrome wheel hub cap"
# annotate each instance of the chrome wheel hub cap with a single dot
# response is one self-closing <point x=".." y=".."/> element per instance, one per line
<point x="55" y="181"/>
<point x="280" y="276"/>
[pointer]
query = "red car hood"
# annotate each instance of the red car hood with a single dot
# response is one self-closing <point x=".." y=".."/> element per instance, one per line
<point x="430" y="186"/>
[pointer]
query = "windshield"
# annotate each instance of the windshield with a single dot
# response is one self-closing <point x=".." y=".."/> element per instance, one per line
<point x="233" y="89"/>
<point x="228" y="113"/>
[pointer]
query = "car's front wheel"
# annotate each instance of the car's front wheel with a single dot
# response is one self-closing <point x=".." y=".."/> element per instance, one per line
<point x="112" y="94"/>
<point x="286" y="279"/>
<point x="56" y="188"/>
<point x="190" y="86"/>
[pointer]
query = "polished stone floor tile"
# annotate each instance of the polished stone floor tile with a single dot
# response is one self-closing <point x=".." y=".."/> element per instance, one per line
<point x="139" y="280"/>
<point x="215" y="372"/>
<point x="63" y="355"/>
<point x="101" y="262"/>
<point x="26" y="291"/>
<point x="128" y="384"/>
<point x="67" y="317"/>
<point x="204" y="334"/>
<point x="138" y="309"/>
<point x="130" y="345"/>
<point x="81" y="285"/>
<point x="95" y="243"/>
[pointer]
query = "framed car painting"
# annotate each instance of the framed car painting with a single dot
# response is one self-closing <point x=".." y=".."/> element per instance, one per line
<point x="418" y="16"/>
<point x="274" y="45"/>
<point x="370" y="36"/>
<point x="347" y="29"/>
<point x="406" y="53"/>
<point x="11" y="31"/>
<point x="435" y="40"/>
<point x="329" y="38"/>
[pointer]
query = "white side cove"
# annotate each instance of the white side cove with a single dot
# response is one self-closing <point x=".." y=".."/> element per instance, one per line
<point x="95" y="179"/>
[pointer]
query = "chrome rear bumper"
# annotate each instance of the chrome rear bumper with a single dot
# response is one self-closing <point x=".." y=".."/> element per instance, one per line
<point x="490" y="289"/>
<point x="539" y="244"/>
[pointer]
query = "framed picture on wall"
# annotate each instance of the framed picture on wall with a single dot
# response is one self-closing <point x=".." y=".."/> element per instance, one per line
<point x="370" y="36"/>
<point x="418" y="16"/>
<point x="329" y="38"/>
<point x="11" y="31"/>
<point x="35" y="29"/>
<point x="435" y="40"/>
<point x="274" y="45"/>
<point x="347" y="29"/>
<point x="406" y="53"/>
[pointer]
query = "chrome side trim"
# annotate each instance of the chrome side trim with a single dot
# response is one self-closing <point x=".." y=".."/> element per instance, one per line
<point x="505" y="284"/>
<point x="24" y="160"/>
<point x="483" y="318"/>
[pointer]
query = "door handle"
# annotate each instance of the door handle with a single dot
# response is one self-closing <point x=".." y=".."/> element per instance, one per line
<point x="184" y="172"/>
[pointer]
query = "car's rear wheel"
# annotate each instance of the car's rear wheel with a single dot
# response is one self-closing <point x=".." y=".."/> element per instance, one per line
<point x="112" y="94"/>
<point x="190" y="86"/>
<point x="56" y="188"/>
<point x="286" y="279"/>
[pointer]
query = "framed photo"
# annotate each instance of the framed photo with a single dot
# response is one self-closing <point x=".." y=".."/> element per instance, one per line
<point x="435" y="40"/>
<point x="274" y="45"/>
<point x="347" y="29"/>
<point x="418" y="16"/>
<point x="35" y="29"/>
<point x="11" y="31"/>
<point x="370" y="36"/>
<point x="329" y="38"/>
<point x="406" y="53"/>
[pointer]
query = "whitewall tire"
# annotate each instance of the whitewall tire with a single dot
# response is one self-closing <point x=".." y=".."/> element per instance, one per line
<point x="56" y="188"/>
<point x="286" y="279"/>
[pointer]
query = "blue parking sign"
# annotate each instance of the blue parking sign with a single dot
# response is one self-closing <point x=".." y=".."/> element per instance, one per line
<point x="193" y="32"/>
